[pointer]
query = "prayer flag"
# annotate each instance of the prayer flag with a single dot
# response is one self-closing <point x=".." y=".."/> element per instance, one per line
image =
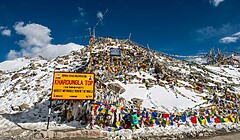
<point x="193" y="119"/>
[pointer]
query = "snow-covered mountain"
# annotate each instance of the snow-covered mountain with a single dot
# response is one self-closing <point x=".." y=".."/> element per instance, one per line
<point x="140" y="78"/>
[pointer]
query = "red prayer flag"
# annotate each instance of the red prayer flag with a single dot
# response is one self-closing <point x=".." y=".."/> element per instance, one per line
<point x="193" y="119"/>
<point x="217" y="120"/>
<point x="165" y="116"/>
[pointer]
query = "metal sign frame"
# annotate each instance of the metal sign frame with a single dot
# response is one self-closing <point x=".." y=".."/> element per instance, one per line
<point x="115" y="52"/>
<point x="71" y="84"/>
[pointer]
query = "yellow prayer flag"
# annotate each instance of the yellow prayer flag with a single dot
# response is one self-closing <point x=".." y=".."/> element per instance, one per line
<point x="232" y="118"/>
<point x="226" y="119"/>
<point x="103" y="111"/>
<point x="204" y="121"/>
<point x="167" y="122"/>
<point x="117" y="123"/>
<point x="179" y="84"/>
<point x="153" y="120"/>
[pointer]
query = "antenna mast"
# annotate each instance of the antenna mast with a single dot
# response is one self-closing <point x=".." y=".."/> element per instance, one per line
<point x="93" y="36"/>
<point x="129" y="37"/>
<point x="94" y="28"/>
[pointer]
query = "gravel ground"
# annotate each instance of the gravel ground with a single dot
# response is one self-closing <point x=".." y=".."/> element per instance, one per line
<point x="20" y="134"/>
<point x="225" y="136"/>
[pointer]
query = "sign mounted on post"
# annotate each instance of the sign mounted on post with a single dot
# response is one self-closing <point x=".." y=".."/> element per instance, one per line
<point x="72" y="86"/>
<point x="115" y="52"/>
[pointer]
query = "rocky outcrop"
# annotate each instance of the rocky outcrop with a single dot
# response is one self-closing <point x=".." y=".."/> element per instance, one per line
<point x="15" y="76"/>
<point x="116" y="87"/>
<point x="23" y="107"/>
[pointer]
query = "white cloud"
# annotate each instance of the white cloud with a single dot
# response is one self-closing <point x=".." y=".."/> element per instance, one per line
<point x="13" y="55"/>
<point x="230" y="39"/>
<point x="51" y="51"/>
<point x="100" y="15"/>
<point x="81" y="16"/>
<point x="81" y="11"/>
<point x="207" y="32"/>
<point x="36" y="34"/>
<point x="5" y="31"/>
<point x="210" y="32"/>
<point x="37" y="42"/>
<point x="215" y="2"/>
<point x="75" y="21"/>
<point x="2" y="27"/>
<point x="237" y="34"/>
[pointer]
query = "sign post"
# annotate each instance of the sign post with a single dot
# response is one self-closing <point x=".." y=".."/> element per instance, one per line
<point x="71" y="86"/>
<point x="49" y="113"/>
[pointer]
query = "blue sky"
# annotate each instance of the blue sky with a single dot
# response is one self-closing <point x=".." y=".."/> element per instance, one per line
<point x="185" y="27"/>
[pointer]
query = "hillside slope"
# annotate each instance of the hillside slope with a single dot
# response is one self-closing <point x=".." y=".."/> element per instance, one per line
<point x="139" y="80"/>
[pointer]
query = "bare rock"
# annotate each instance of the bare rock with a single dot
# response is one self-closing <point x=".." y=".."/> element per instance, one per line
<point x="38" y="135"/>
<point x="24" y="88"/>
<point x="48" y="134"/>
<point x="23" y="106"/>
<point x="116" y="87"/>
<point x="60" y="62"/>
<point x="200" y="134"/>
<point x="15" y="108"/>
<point x="66" y="63"/>
<point x="15" y="76"/>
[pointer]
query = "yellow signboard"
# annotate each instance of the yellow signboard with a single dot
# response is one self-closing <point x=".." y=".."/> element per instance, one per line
<point x="72" y="86"/>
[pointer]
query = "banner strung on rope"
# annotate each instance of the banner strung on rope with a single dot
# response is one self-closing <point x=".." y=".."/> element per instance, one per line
<point x="115" y="52"/>
<point x="72" y="86"/>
